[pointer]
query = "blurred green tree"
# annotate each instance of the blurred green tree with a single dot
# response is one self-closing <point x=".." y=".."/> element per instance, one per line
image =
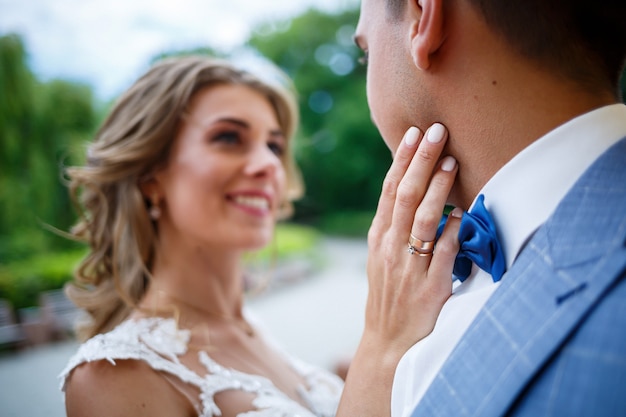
<point x="40" y="124"/>
<point x="16" y="111"/>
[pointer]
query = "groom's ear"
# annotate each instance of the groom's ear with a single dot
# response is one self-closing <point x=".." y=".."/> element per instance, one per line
<point x="426" y="30"/>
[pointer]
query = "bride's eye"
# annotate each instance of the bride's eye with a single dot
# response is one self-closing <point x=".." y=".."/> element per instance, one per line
<point x="227" y="137"/>
<point x="277" y="148"/>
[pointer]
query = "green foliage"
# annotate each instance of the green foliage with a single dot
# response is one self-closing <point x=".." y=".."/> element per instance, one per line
<point x="16" y="104"/>
<point x="21" y="281"/>
<point x="41" y="126"/>
<point x="22" y="244"/>
<point x="347" y="223"/>
<point x="67" y="106"/>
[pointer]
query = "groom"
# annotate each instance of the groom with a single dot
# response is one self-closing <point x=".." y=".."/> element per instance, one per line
<point x="529" y="91"/>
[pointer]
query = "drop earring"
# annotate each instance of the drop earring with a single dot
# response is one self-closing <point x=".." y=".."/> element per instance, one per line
<point x="155" y="210"/>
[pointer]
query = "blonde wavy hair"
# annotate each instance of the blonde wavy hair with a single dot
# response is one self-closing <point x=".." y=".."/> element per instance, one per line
<point x="135" y="140"/>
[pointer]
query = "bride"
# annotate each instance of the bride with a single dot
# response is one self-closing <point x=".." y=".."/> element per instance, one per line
<point x="189" y="171"/>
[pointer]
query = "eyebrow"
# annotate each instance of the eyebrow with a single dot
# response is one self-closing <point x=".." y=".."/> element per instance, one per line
<point x="238" y="122"/>
<point x="246" y="125"/>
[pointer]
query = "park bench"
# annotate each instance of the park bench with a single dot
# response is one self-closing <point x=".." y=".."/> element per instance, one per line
<point x="11" y="333"/>
<point x="58" y="313"/>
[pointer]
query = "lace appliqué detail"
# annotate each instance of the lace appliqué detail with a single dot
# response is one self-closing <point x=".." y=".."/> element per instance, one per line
<point x="159" y="343"/>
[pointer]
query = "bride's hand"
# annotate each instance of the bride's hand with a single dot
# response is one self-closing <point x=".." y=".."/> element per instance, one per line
<point x="407" y="290"/>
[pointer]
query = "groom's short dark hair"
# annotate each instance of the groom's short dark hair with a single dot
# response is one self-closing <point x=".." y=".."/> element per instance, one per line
<point x="578" y="39"/>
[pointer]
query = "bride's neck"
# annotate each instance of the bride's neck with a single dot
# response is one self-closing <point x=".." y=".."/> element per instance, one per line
<point x="193" y="315"/>
<point x="209" y="285"/>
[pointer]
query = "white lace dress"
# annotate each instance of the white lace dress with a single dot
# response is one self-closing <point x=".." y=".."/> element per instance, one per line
<point x="159" y="343"/>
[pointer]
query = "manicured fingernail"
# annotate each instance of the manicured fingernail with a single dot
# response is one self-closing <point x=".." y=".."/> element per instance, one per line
<point x="435" y="133"/>
<point x="457" y="212"/>
<point x="411" y="136"/>
<point x="448" y="163"/>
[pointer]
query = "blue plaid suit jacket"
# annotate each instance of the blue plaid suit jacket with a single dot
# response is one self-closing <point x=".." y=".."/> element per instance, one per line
<point x="551" y="341"/>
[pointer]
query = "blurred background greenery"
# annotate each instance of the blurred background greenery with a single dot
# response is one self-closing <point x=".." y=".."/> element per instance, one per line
<point x="44" y="126"/>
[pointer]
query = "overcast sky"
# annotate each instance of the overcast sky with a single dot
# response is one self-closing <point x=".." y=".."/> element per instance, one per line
<point x="108" y="43"/>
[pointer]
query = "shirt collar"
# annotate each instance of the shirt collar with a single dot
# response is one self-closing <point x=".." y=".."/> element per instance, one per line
<point x="524" y="192"/>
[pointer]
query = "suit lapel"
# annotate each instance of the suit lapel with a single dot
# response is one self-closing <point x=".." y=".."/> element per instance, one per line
<point x="561" y="274"/>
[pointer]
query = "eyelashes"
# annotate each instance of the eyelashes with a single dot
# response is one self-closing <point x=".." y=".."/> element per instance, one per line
<point x="234" y="138"/>
<point x="228" y="137"/>
<point x="277" y="148"/>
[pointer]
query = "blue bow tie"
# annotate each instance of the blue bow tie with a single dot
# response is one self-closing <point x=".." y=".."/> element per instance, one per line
<point x="479" y="243"/>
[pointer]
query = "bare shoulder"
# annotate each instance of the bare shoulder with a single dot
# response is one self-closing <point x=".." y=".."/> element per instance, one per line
<point x="128" y="388"/>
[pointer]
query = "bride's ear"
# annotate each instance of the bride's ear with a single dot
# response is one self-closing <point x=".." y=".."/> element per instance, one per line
<point x="427" y="30"/>
<point x="148" y="186"/>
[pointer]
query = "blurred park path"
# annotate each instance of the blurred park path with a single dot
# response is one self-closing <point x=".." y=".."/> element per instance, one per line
<point x="318" y="319"/>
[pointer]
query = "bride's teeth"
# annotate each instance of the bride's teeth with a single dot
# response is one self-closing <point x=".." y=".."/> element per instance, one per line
<point x="256" y="202"/>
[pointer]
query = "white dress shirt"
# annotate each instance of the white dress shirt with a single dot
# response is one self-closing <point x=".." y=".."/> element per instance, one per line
<point x="520" y="197"/>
